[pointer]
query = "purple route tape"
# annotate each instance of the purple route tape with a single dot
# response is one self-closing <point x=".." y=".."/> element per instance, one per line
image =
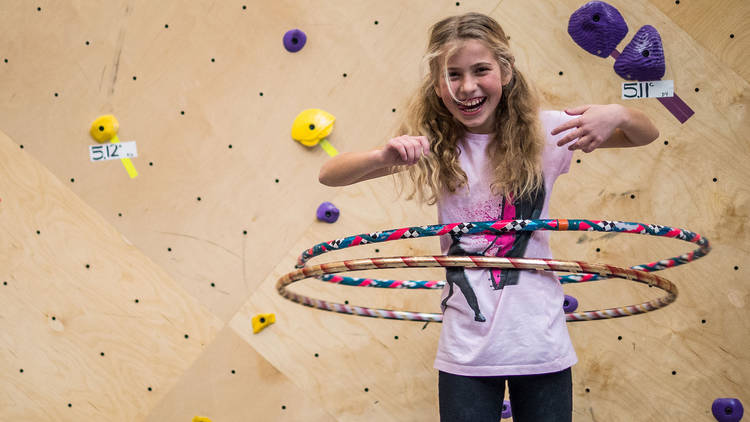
<point x="598" y="28"/>
<point x="675" y="105"/>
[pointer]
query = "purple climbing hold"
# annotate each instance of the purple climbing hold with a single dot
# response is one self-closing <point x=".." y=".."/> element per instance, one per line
<point x="328" y="212"/>
<point x="597" y="27"/>
<point x="570" y="304"/>
<point x="727" y="410"/>
<point x="507" y="413"/>
<point x="294" y="40"/>
<point x="643" y="58"/>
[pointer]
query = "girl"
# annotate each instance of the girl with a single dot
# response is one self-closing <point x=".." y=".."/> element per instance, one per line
<point x="475" y="143"/>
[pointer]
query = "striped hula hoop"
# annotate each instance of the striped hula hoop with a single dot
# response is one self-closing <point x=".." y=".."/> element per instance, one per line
<point x="582" y="272"/>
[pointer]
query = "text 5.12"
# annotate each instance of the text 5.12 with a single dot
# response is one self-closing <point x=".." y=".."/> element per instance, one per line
<point x="113" y="151"/>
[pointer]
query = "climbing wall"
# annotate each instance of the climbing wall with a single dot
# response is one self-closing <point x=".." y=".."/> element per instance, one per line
<point x="130" y="298"/>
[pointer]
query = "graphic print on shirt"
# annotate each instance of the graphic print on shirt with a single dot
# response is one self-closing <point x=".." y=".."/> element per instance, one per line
<point x="456" y="275"/>
<point x="511" y="245"/>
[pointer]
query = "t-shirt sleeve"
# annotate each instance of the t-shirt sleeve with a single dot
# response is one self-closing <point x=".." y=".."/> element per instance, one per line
<point x="557" y="159"/>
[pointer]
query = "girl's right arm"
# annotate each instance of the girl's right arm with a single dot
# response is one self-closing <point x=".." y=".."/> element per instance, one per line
<point x="354" y="167"/>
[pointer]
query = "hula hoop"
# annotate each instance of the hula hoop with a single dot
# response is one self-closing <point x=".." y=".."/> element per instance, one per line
<point x="583" y="272"/>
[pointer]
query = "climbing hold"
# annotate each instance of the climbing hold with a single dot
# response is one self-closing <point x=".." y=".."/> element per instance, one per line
<point x="643" y="58"/>
<point x="294" y="40"/>
<point x="104" y="128"/>
<point x="507" y="413"/>
<point x="310" y="128"/>
<point x="597" y="27"/>
<point x="262" y="321"/>
<point x="570" y="304"/>
<point x="201" y="419"/>
<point x="312" y="125"/>
<point x="327" y="212"/>
<point x="727" y="410"/>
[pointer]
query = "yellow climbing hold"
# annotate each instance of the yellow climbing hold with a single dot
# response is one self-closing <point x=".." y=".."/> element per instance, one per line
<point x="262" y="321"/>
<point x="311" y="126"/>
<point x="201" y="419"/>
<point x="104" y="128"/>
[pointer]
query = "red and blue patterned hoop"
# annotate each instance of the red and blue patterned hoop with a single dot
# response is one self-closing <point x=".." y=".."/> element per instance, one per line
<point x="583" y="272"/>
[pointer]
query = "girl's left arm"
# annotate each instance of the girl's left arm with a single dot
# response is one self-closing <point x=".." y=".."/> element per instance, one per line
<point x="606" y="126"/>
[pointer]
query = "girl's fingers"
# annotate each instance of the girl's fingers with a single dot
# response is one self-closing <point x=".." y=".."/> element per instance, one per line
<point x="410" y="149"/>
<point x="425" y="144"/>
<point x="401" y="149"/>
<point x="570" y="124"/>
<point x="411" y="152"/>
<point x="578" y="110"/>
<point x="416" y="147"/>
<point x="590" y="147"/>
<point x="569" y="137"/>
<point x="572" y="136"/>
<point x="565" y="126"/>
<point x="581" y="144"/>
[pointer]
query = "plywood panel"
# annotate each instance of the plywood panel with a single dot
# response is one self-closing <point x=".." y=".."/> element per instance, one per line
<point x="668" y="182"/>
<point x="232" y="382"/>
<point x="210" y="101"/>
<point x="185" y="81"/>
<point x="91" y="328"/>
<point x="721" y="27"/>
<point x="358" y="368"/>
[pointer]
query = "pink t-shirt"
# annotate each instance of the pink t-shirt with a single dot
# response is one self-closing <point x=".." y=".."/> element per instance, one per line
<point x="502" y="322"/>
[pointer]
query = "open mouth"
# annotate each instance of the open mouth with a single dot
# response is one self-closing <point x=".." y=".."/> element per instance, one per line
<point x="472" y="106"/>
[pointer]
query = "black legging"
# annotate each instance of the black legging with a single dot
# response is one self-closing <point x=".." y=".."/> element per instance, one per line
<point x="543" y="397"/>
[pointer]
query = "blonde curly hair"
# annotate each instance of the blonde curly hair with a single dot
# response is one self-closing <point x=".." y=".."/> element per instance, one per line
<point x="515" y="149"/>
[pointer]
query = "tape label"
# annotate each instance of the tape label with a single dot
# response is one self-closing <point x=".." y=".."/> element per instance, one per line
<point x="646" y="89"/>
<point x="116" y="151"/>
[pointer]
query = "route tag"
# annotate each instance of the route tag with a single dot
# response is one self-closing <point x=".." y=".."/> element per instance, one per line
<point x="646" y="89"/>
<point x="113" y="151"/>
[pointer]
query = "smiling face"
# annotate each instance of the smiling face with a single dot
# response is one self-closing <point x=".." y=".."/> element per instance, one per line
<point x="476" y="81"/>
